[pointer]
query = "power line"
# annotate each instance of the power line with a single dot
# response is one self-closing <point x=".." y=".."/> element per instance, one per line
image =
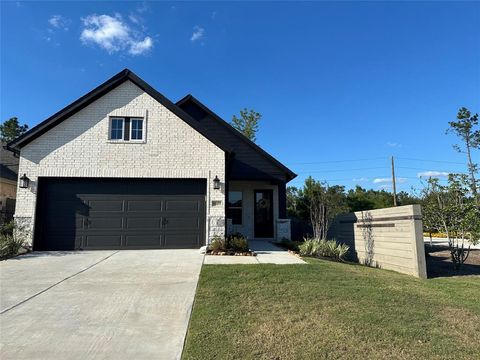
<point x="436" y="161"/>
<point x="414" y="168"/>
<point x="342" y="170"/>
<point x="336" y="161"/>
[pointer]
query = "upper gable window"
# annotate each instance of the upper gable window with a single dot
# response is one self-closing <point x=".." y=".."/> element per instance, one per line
<point x="127" y="129"/>
<point x="136" y="129"/>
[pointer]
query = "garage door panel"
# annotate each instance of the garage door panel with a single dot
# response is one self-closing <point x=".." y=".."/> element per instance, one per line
<point x="103" y="241"/>
<point x="145" y="241"/>
<point x="144" y="223"/>
<point x="120" y="213"/>
<point x="105" y="206"/>
<point x="174" y="240"/>
<point x="144" y="205"/>
<point x="176" y="223"/>
<point x="182" y="205"/>
<point x="104" y="223"/>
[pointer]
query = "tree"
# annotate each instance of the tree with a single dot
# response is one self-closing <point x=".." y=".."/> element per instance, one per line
<point x="292" y="201"/>
<point x="247" y="123"/>
<point x="324" y="203"/>
<point x="11" y="129"/>
<point x="466" y="129"/>
<point x="452" y="209"/>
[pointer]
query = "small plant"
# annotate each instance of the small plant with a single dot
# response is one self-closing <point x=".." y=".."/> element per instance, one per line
<point x="323" y="248"/>
<point x="12" y="239"/>
<point x="217" y="244"/>
<point x="237" y="243"/>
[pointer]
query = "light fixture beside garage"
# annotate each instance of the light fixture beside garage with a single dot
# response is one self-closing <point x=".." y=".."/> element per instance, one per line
<point x="216" y="183"/>
<point x="24" y="181"/>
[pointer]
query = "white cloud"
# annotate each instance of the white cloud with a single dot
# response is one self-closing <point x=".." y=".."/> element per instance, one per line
<point x="198" y="33"/>
<point x="140" y="47"/>
<point x="113" y="35"/>
<point x="435" y="174"/>
<point x="389" y="180"/>
<point x="394" y="144"/>
<point x="362" y="179"/>
<point x="59" y="22"/>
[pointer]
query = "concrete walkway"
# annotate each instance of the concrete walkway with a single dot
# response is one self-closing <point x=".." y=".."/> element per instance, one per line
<point x="97" y="304"/>
<point x="267" y="253"/>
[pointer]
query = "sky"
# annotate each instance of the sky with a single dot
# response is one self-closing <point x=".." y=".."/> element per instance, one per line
<point x="341" y="86"/>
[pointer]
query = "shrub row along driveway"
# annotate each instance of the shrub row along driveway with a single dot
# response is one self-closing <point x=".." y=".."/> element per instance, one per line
<point x="99" y="304"/>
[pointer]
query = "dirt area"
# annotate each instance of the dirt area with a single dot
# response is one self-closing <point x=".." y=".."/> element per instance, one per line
<point x="439" y="263"/>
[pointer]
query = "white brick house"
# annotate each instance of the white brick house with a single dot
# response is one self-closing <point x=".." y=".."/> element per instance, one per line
<point x="123" y="167"/>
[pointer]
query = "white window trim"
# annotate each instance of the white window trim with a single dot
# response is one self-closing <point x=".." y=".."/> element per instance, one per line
<point x="122" y="140"/>
<point x="110" y="121"/>
<point x="142" y="140"/>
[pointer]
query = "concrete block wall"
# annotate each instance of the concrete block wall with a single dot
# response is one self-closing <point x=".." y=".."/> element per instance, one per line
<point x="79" y="147"/>
<point x="390" y="238"/>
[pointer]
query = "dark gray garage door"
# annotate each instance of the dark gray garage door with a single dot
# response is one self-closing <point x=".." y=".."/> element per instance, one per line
<point x="75" y="214"/>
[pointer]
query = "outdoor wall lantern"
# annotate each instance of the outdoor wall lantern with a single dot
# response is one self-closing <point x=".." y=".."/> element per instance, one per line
<point x="216" y="183"/>
<point x="24" y="181"/>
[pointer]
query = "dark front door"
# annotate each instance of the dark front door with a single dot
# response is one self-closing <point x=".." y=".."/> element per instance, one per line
<point x="76" y="214"/>
<point x="263" y="213"/>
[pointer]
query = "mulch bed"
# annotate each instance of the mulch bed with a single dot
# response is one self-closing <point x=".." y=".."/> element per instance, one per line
<point x="231" y="253"/>
<point x="439" y="263"/>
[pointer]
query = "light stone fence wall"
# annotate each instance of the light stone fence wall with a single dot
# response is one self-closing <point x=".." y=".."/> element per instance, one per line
<point x="390" y="238"/>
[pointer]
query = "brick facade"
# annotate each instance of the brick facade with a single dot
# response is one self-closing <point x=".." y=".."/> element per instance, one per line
<point x="79" y="147"/>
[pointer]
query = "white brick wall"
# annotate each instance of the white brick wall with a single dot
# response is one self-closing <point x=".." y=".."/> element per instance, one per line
<point x="79" y="147"/>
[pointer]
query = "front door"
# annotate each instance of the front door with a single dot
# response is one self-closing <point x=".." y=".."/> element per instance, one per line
<point x="263" y="213"/>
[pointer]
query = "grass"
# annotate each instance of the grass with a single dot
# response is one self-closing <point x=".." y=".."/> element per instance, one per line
<point x="331" y="310"/>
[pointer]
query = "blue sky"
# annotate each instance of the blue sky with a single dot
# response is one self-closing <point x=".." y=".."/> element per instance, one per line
<point x="342" y="86"/>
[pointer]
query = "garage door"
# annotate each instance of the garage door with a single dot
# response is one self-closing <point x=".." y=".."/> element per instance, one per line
<point x="74" y="214"/>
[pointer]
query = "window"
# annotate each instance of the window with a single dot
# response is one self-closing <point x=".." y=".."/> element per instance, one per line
<point x="116" y="129"/>
<point x="126" y="129"/>
<point x="136" y="129"/>
<point x="235" y="207"/>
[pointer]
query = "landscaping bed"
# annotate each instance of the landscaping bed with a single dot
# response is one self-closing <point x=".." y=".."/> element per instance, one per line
<point x="231" y="253"/>
<point x="232" y="245"/>
<point x="327" y="309"/>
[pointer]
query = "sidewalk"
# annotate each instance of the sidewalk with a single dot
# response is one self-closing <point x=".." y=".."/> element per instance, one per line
<point x="267" y="253"/>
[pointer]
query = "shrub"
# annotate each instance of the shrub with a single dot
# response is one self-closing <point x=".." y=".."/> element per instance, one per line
<point x="235" y="242"/>
<point x="12" y="239"/>
<point x="238" y="243"/>
<point x="323" y="248"/>
<point x="217" y="244"/>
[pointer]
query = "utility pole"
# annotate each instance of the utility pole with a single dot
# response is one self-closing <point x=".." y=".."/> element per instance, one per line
<point x="394" y="185"/>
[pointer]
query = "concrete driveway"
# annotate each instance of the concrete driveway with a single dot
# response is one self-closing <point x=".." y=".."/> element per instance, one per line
<point x="97" y="304"/>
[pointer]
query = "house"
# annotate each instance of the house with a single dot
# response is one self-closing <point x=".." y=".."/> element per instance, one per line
<point x="123" y="167"/>
<point x="8" y="183"/>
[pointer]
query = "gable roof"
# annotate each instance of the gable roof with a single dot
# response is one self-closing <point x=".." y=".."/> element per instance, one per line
<point x="8" y="164"/>
<point x="178" y="109"/>
<point x="97" y="93"/>
<point x="199" y="111"/>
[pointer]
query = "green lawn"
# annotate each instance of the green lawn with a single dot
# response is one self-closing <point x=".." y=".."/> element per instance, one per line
<point x="331" y="310"/>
